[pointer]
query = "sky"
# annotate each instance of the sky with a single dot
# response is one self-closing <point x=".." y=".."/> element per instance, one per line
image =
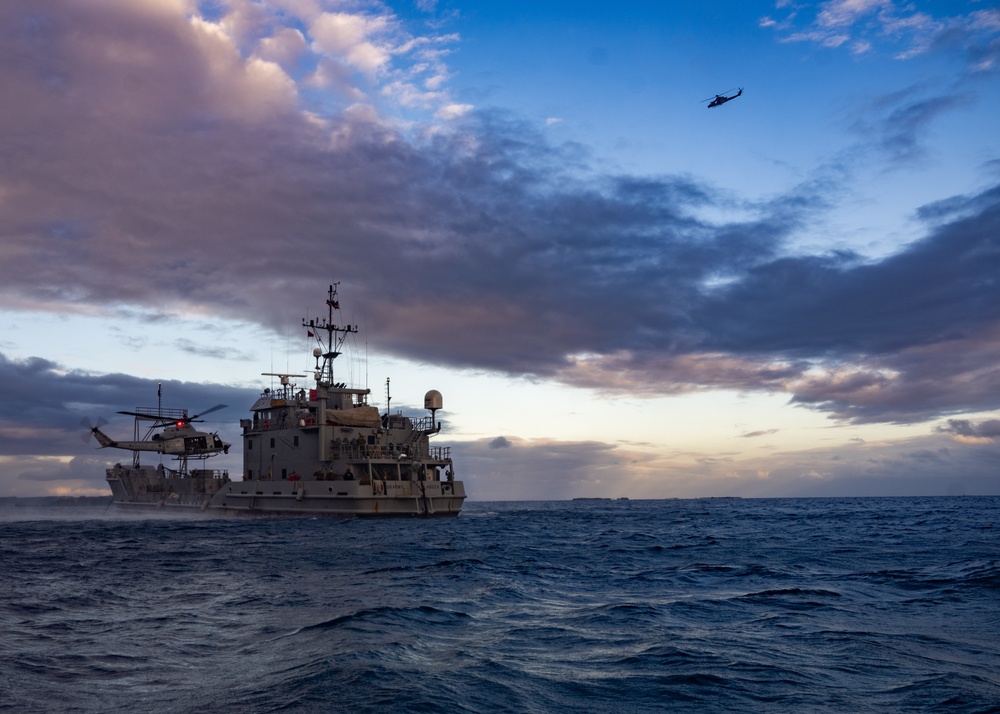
<point x="529" y="207"/>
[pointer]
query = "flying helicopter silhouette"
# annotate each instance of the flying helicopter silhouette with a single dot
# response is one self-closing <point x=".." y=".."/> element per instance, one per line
<point x="719" y="99"/>
<point x="177" y="438"/>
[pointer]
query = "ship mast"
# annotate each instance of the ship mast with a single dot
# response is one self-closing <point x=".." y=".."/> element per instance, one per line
<point x="335" y="336"/>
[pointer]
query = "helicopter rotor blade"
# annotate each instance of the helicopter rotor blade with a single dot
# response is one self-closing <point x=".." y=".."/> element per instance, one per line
<point x="149" y="417"/>
<point x="719" y="94"/>
<point x="216" y="408"/>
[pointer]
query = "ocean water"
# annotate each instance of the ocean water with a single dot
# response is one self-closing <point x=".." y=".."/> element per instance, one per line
<point x="719" y="605"/>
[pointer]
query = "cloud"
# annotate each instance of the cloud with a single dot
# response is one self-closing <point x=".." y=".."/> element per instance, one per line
<point x="929" y="465"/>
<point x="905" y="338"/>
<point x="40" y="439"/>
<point x="968" y="432"/>
<point x="932" y="465"/>
<point x="453" y="111"/>
<point x="285" y="48"/>
<point x="762" y="432"/>
<point x="195" y="348"/>
<point x="359" y="40"/>
<point x="866" y="24"/>
<point x="896" y="124"/>
<point x="44" y="441"/>
<point x="159" y="160"/>
<point x="841" y="13"/>
<point x="27" y="475"/>
<point x="541" y="469"/>
<point x="44" y="404"/>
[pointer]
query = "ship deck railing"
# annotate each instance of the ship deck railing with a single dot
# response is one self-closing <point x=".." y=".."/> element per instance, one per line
<point x="423" y="423"/>
<point x="280" y="422"/>
<point x="388" y="452"/>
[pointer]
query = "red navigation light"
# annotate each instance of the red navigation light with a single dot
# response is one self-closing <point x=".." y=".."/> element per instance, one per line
<point x="180" y="424"/>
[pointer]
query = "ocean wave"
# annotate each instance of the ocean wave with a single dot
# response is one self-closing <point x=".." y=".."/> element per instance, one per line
<point x="831" y="605"/>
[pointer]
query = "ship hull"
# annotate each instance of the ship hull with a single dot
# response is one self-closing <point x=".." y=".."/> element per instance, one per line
<point x="213" y="494"/>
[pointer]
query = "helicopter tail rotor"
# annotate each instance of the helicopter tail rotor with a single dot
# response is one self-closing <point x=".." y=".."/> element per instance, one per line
<point x="91" y="428"/>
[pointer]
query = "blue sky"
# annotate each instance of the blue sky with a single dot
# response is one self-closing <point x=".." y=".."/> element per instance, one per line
<point x="529" y="208"/>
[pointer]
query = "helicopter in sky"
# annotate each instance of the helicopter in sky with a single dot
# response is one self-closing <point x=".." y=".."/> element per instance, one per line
<point x="169" y="432"/>
<point x="719" y="99"/>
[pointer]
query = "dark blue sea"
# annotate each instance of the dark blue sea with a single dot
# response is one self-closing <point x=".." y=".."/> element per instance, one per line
<point x="719" y="605"/>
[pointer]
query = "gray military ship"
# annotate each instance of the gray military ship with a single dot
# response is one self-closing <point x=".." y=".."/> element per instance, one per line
<point x="318" y="452"/>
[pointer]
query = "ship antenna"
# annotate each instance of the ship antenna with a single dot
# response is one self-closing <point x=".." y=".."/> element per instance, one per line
<point x="335" y="336"/>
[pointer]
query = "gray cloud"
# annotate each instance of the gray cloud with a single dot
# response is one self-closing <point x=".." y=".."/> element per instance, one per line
<point x="195" y="348"/>
<point x="541" y="469"/>
<point x="762" y="432"/>
<point x="44" y="404"/>
<point x="903" y="339"/>
<point x="989" y="429"/>
<point x="939" y="288"/>
<point x="931" y="465"/>
<point x="37" y="424"/>
<point x="898" y="122"/>
<point x="145" y="163"/>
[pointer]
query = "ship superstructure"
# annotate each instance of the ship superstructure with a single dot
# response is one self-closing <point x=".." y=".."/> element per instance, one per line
<point x="321" y="451"/>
